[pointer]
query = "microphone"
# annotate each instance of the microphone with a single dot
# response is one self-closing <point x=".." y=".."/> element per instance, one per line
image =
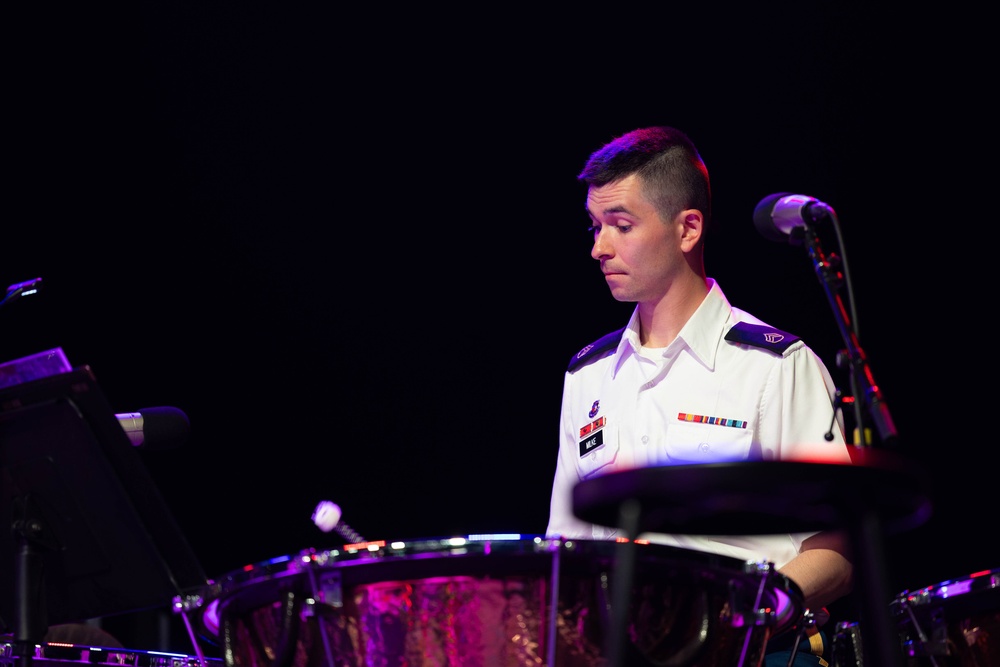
<point x="22" y="289"/>
<point x="155" y="428"/>
<point x="780" y="214"/>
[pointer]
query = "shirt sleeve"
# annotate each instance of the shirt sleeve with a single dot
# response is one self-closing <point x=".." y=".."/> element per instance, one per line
<point x="562" y="521"/>
<point x="798" y="411"/>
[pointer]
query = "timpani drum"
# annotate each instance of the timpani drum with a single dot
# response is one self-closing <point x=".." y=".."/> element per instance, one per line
<point x="953" y="623"/>
<point x="58" y="654"/>
<point x="494" y="601"/>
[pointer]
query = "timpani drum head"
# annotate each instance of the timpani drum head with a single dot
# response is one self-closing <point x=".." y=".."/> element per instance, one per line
<point x="495" y="600"/>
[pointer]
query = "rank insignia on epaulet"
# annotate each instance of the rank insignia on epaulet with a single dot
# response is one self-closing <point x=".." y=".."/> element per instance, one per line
<point x="760" y="335"/>
<point x="602" y="344"/>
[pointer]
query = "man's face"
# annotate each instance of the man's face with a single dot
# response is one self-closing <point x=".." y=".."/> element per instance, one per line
<point x="639" y="252"/>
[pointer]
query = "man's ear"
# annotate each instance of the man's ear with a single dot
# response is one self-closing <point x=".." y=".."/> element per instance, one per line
<point x="692" y="227"/>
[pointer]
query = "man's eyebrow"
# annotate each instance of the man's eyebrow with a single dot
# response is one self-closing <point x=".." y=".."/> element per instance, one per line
<point x="613" y="209"/>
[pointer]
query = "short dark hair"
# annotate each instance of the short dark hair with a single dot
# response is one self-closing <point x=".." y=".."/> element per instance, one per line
<point x="673" y="175"/>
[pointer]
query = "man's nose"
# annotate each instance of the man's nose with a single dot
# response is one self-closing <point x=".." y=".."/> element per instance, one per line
<point x="601" y="247"/>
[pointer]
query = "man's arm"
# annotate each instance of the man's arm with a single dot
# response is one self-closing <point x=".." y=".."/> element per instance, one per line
<point x="822" y="570"/>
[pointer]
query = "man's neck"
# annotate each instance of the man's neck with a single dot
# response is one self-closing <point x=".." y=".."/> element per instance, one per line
<point x="662" y="320"/>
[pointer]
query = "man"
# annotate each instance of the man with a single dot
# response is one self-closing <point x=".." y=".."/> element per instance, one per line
<point x="686" y="354"/>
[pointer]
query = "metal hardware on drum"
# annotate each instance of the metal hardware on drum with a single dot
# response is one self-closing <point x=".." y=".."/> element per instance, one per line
<point x="847" y="648"/>
<point x="494" y="600"/>
<point x="953" y="623"/>
<point x="72" y="654"/>
<point x="807" y="622"/>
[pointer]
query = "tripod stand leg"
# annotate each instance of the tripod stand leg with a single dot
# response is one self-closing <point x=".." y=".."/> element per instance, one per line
<point x="879" y="640"/>
<point x="623" y="580"/>
<point x="30" y="622"/>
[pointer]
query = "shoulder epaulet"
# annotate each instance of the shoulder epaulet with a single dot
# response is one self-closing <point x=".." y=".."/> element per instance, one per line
<point x="602" y="344"/>
<point x="760" y="335"/>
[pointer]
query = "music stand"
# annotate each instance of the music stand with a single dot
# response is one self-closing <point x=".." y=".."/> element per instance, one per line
<point x="879" y="493"/>
<point x="90" y="535"/>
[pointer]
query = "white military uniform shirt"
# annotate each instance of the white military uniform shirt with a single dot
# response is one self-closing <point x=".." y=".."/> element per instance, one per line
<point x="702" y="399"/>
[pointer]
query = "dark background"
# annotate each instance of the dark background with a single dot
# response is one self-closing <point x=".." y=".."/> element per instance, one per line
<point x="352" y="249"/>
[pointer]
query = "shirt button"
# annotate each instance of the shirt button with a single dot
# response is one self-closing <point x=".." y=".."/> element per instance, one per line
<point x="703" y="447"/>
<point x="645" y="439"/>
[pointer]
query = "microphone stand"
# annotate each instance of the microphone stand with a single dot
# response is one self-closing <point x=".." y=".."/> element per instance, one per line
<point x="879" y="642"/>
<point x="863" y="386"/>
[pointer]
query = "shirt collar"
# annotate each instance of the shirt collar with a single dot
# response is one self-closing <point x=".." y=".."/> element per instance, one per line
<point x="700" y="334"/>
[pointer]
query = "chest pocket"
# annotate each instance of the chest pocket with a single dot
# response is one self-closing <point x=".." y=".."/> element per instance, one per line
<point x="706" y="443"/>
<point x="598" y="453"/>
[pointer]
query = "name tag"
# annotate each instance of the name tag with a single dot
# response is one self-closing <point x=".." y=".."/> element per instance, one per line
<point x="591" y="443"/>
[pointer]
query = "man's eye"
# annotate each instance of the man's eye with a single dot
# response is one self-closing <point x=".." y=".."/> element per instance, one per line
<point x="621" y="227"/>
